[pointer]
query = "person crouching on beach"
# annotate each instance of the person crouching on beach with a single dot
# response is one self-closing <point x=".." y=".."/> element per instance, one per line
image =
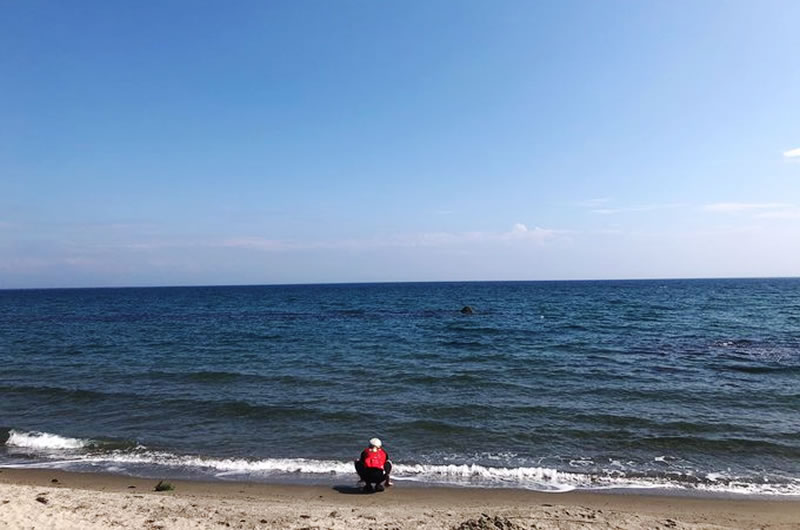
<point x="374" y="466"/>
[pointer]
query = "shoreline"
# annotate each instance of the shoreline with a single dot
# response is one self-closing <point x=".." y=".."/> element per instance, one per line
<point x="329" y="480"/>
<point x="38" y="497"/>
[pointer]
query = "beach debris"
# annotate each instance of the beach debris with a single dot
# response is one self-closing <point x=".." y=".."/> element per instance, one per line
<point x="487" y="522"/>
<point x="41" y="498"/>
<point x="467" y="310"/>
<point x="164" y="486"/>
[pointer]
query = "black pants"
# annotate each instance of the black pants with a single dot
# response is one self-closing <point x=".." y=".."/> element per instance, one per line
<point x="373" y="475"/>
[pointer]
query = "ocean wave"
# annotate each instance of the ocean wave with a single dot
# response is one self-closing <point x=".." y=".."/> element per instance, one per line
<point x="43" y="441"/>
<point x="781" y="369"/>
<point x="538" y="478"/>
<point x="227" y="465"/>
<point x="64" y="393"/>
<point x="213" y="408"/>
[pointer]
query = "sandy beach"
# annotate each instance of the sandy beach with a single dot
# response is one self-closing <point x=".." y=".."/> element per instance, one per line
<point x="43" y="499"/>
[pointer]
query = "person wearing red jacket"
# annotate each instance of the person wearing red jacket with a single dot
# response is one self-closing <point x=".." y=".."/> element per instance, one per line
<point x="374" y="466"/>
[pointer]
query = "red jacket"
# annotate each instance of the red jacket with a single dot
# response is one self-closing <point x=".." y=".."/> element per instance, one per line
<point x="374" y="459"/>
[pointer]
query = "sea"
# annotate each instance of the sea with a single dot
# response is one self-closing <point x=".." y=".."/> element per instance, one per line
<point x="678" y="386"/>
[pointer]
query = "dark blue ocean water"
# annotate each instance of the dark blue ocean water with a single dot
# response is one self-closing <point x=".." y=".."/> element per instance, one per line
<point x="691" y="384"/>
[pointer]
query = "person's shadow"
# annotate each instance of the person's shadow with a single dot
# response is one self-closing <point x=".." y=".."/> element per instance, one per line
<point x="348" y="490"/>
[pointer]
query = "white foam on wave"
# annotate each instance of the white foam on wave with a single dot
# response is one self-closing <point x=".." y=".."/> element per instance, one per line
<point x="534" y="478"/>
<point x="43" y="441"/>
<point x="225" y="465"/>
<point x="463" y="475"/>
<point x="539" y="478"/>
<point x="749" y="488"/>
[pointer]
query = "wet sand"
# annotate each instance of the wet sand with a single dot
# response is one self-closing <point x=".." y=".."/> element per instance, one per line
<point x="42" y="499"/>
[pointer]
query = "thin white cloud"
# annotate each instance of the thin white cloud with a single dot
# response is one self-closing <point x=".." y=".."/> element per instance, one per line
<point x="792" y="153"/>
<point x="158" y="244"/>
<point x="757" y="210"/>
<point x="23" y="263"/>
<point x="633" y="209"/>
<point x="257" y="243"/>
<point x="519" y="232"/>
<point x="594" y="203"/>
<point x="608" y="232"/>
<point x="29" y="264"/>
<point x="733" y="207"/>
<point x="81" y="261"/>
<point x="791" y="213"/>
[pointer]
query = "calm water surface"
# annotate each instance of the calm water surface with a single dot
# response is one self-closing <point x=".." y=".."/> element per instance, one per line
<point x="690" y="384"/>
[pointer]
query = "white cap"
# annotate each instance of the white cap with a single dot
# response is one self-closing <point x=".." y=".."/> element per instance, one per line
<point x="376" y="442"/>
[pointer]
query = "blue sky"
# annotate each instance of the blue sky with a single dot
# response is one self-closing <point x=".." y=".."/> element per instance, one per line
<point x="175" y="143"/>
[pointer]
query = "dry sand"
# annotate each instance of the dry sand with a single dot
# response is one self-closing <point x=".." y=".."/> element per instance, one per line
<point x="45" y="499"/>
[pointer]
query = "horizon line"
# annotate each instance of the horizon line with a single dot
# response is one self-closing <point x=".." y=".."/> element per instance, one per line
<point x="389" y="282"/>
